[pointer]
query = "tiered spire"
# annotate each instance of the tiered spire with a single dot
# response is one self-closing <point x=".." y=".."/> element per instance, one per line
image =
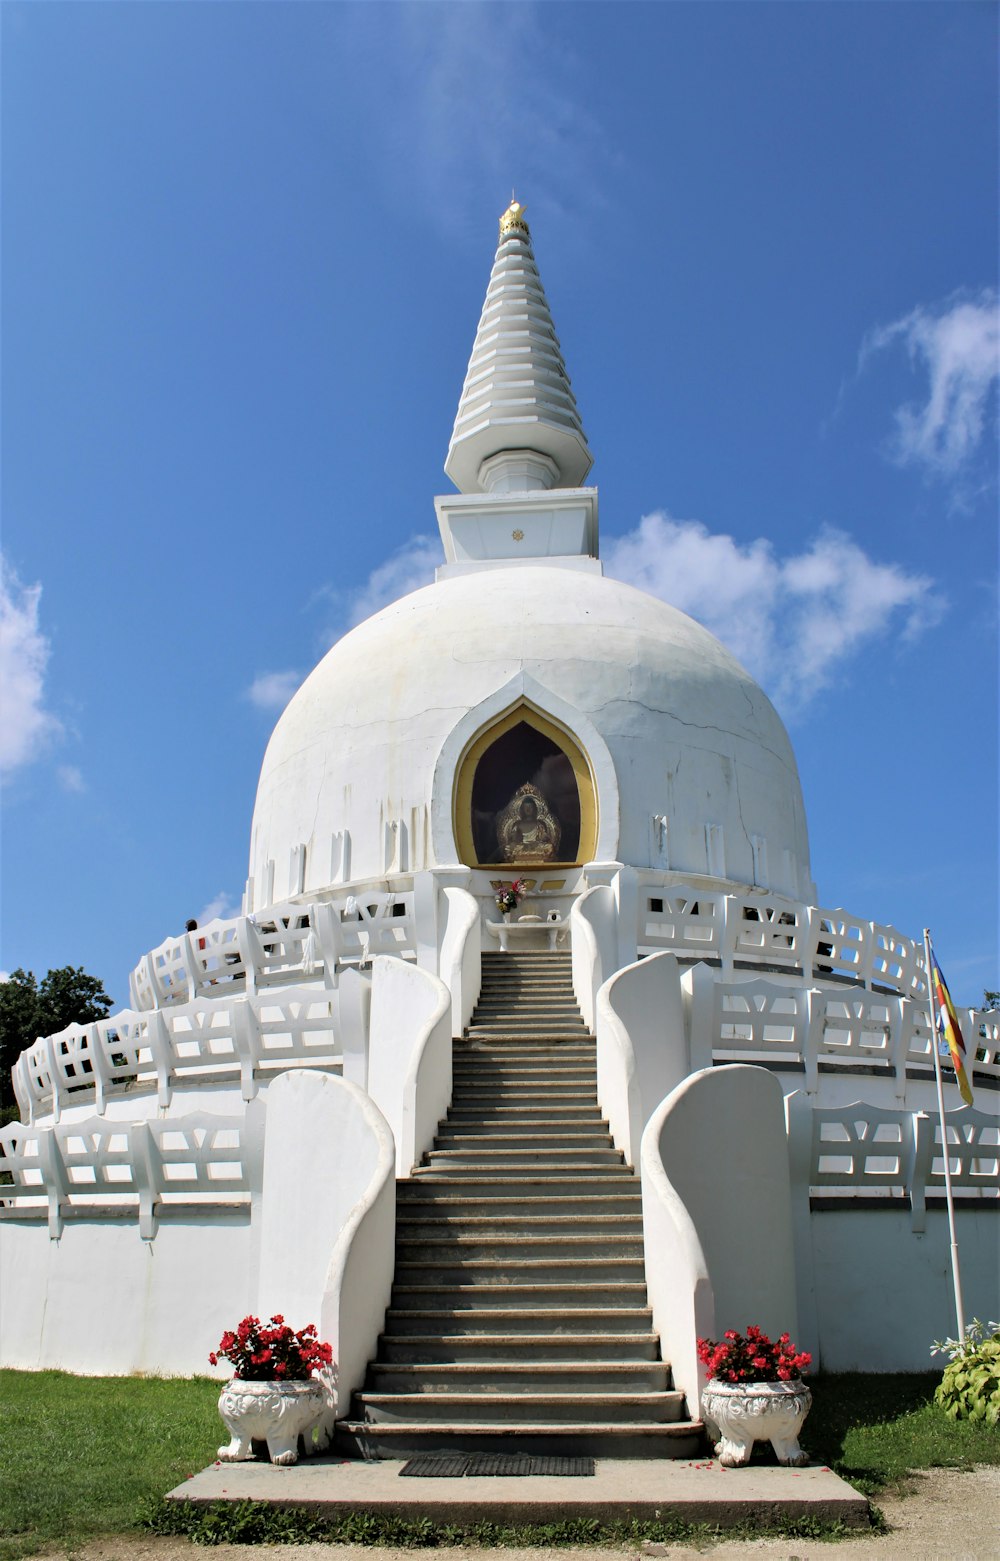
<point x="517" y="426"/>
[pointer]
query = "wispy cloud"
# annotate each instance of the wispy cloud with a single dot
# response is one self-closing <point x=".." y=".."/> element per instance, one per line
<point x="71" y="778"/>
<point x="409" y="568"/>
<point x="273" y="690"/>
<point x="793" y="622"/>
<point x="222" y="905"/>
<point x="481" y="95"/>
<point x="26" y="725"/>
<point x="956" y="347"/>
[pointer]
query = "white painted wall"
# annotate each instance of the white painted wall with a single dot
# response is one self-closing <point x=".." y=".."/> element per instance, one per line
<point x="883" y="1292"/>
<point x="409" y="1069"/>
<point x="594" y="945"/>
<point x="327" y="1239"/>
<point x="642" y="1047"/>
<point x="100" y="1301"/>
<point x="715" y="1155"/>
<point x="461" y="962"/>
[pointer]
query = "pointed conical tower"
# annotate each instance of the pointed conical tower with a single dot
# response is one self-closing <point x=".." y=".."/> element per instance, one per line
<point x="518" y="452"/>
<point x="517" y="426"/>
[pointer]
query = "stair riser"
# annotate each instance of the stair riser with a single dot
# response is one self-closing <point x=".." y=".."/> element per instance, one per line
<point x="531" y="1160"/>
<point x="467" y="1296"/>
<point x="518" y="1249"/>
<point x="623" y="1442"/>
<point x="428" y="1378"/>
<point x="499" y="1271"/>
<point x="566" y="1137"/>
<point x="508" y="1349"/>
<point x="407" y="1409"/>
<point x="551" y="1213"/>
<point x="491" y="1230"/>
<point x="556" y="1325"/>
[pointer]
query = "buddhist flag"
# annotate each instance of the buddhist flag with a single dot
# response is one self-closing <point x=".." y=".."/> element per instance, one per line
<point x="948" y="1028"/>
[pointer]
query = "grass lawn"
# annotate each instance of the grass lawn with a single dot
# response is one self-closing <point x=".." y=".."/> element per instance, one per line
<point x="83" y="1456"/>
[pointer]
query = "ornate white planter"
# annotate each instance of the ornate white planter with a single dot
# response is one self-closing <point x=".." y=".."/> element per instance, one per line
<point x="746" y="1412"/>
<point x="276" y="1412"/>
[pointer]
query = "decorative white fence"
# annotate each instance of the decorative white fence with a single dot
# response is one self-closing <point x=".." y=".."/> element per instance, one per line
<point x="127" y="1168"/>
<point x="210" y="1039"/>
<point x="284" y="944"/>
<point x="862" y="1151"/>
<point x="768" y="930"/>
<point x="822" y="1029"/>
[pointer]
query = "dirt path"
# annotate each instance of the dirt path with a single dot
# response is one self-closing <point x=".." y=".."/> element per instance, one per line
<point x="949" y="1515"/>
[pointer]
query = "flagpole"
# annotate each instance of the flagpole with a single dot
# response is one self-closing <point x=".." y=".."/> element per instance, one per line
<point x="949" y="1196"/>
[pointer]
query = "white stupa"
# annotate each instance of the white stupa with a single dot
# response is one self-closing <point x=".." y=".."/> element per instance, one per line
<point x="532" y="1023"/>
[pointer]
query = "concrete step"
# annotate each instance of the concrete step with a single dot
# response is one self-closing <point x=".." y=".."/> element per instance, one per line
<point x="472" y="1096"/>
<point x="503" y="1181"/>
<point x="597" y="1438"/>
<point x="456" y="1247"/>
<point x="553" y="1322"/>
<point x="565" y="1136"/>
<point x="521" y="1159"/>
<point x="427" y="1226"/>
<point x="449" y="1272"/>
<point x="523" y="1377"/>
<point x="586" y="1296"/>
<point x="539" y="1408"/>
<point x="412" y="1347"/>
<point x="439" y="1204"/>
<point x="529" y="1115"/>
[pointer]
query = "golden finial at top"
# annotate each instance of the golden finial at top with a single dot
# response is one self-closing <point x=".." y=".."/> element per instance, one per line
<point x="512" y="220"/>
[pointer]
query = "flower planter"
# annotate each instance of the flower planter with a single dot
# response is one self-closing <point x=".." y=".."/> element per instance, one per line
<point x="746" y="1412"/>
<point x="276" y="1412"/>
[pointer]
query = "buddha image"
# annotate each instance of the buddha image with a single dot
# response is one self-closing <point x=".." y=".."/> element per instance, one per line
<point x="526" y="829"/>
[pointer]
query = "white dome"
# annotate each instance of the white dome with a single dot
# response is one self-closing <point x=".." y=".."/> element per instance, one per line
<point x="691" y="764"/>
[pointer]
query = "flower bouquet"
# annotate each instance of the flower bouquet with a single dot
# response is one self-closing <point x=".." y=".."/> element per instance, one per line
<point x="260" y="1353"/>
<point x="508" y="895"/>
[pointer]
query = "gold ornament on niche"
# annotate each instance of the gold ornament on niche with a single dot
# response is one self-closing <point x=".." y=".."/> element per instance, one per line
<point x="527" y="830"/>
<point x="518" y="536"/>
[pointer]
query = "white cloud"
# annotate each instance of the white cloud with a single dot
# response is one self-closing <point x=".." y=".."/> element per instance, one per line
<point x="411" y="567"/>
<point x="26" y="726"/>
<point x="71" y="778"/>
<point x="481" y="95"/>
<point x="958" y="347"/>
<point x="795" y="622"/>
<point x="223" y="905"/>
<point x="273" y="690"/>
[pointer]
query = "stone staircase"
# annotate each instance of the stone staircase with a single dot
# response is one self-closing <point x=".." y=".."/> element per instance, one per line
<point x="518" y="1319"/>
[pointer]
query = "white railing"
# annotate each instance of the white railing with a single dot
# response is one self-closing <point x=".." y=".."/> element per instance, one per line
<point x="840" y="1153"/>
<point x="823" y="1029"/>
<point x="769" y="930"/>
<point x="139" y="1168"/>
<point x="282" y="944"/>
<point x="205" y="1041"/>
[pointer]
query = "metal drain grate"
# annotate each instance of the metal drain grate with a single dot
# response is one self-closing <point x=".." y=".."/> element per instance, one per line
<point x="452" y="1466"/>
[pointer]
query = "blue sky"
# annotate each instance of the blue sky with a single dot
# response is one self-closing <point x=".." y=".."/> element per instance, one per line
<point x="244" y="252"/>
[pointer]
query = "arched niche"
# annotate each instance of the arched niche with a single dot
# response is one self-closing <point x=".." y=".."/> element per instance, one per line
<point x="524" y="776"/>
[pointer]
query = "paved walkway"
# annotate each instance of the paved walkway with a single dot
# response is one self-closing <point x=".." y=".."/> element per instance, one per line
<point x="949" y="1516"/>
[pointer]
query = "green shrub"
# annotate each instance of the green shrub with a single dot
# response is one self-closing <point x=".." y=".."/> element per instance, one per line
<point x="970" y="1387"/>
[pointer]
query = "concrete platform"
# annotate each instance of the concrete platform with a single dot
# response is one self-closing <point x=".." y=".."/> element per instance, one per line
<point x="697" y="1490"/>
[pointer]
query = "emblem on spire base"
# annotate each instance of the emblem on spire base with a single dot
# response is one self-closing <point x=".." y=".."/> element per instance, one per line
<point x="513" y="221"/>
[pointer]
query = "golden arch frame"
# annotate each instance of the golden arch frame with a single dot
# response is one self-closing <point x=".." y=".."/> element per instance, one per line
<point x="465" y="774"/>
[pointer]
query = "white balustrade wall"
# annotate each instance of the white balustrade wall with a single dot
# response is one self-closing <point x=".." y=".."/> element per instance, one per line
<point x="823" y="1030"/>
<point x="768" y="930"/>
<point x="276" y="946"/>
<point x="141" y="1168"/>
<point x="243" y="1038"/>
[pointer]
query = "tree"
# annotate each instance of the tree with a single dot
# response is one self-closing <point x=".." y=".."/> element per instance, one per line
<point x="991" y="1000"/>
<point x="29" y="1009"/>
